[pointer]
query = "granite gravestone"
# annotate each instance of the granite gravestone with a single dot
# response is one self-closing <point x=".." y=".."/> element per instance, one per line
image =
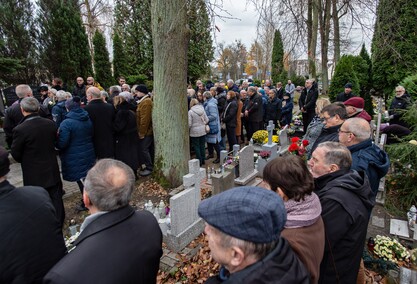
<point x="247" y="170"/>
<point x="185" y="223"/>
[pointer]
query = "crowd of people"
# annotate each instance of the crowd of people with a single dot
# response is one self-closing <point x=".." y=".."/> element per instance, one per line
<point x="305" y="223"/>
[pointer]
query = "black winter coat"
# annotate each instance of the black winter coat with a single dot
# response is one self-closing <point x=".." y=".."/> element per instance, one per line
<point x="255" y="108"/>
<point x="396" y="108"/>
<point x="126" y="136"/>
<point x="273" y="110"/>
<point x="308" y="99"/>
<point x="79" y="91"/>
<point x="13" y="116"/>
<point x="343" y="97"/>
<point x="345" y="198"/>
<point x="229" y="117"/>
<point x="280" y="266"/>
<point x="327" y="134"/>
<point x="122" y="246"/>
<point x="102" y="117"/>
<point x="31" y="236"/>
<point x="34" y="147"/>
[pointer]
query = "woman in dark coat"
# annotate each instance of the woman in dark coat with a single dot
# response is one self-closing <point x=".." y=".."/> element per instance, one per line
<point x="286" y="111"/>
<point x="229" y="117"/>
<point x="273" y="108"/>
<point x="126" y="133"/>
<point x="75" y="142"/>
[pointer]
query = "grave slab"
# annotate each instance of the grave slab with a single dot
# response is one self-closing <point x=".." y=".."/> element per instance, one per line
<point x="399" y="228"/>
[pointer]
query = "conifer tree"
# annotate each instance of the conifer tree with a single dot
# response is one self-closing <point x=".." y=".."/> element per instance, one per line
<point x="277" y="61"/>
<point x="17" y="41"/>
<point x="200" y="48"/>
<point x="394" y="55"/>
<point x="102" y="64"/>
<point x="120" y="60"/>
<point x="366" y="88"/>
<point x="63" y="40"/>
<point x="343" y="74"/>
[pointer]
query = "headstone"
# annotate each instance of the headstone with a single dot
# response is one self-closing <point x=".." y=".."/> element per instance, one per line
<point x="407" y="276"/>
<point x="399" y="228"/>
<point x="270" y="129"/>
<point x="236" y="149"/>
<point x="283" y="140"/>
<point x="247" y="170"/>
<point x="269" y="147"/>
<point x="223" y="156"/>
<point x="185" y="223"/>
<point x="223" y="182"/>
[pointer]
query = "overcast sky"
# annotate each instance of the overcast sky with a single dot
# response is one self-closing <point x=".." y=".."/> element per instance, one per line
<point x="243" y="28"/>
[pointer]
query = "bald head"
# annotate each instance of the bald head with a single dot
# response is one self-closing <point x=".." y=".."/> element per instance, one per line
<point x="23" y="91"/>
<point x="93" y="93"/>
<point x="354" y="131"/>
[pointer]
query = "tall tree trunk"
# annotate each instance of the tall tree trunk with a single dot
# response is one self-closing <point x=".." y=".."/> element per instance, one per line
<point x="324" y="19"/>
<point x="312" y="30"/>
<point x="170" y="44"/>
<point x="336" y="32"/>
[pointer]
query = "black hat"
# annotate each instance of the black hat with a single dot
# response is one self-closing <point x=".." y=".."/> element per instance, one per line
<point x="248" y="213"/>
<point x="4" y="162"/>
<point x="348" y="85"/>
<point x="219" y="90"/>
<point x="142" y="88"/>
<point x="43" y="88"/>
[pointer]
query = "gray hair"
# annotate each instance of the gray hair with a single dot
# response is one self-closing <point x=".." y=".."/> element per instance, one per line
<point x="230" y="81"/>
<point x="61" y="95"/>
<point x="400" y="88"/>
<point x="104" y="94"/>
<point x="207" y="95"/>
<point x="359" y="127"/>
<point x="256" y="250"/>
<point x="30" y="104"/>
<point x="252" y="89"/>
<point x="109" y="184"/>
<point x="69" y="95"/>
<point x="337" y="153"/>
<point x="94" y="92"/>
<point x="126" y="95"/>
<point x="53" y="91"/>
<point x="22" y="91"/>
<point x="133" y="89"/>
<point x="115" y="88"/>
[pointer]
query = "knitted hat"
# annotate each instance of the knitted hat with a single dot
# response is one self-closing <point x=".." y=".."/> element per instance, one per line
<point x="4" y="162"/>
<point x="357" y="102"/>
<point x="73" y="103"/>
<point x="348" y="85"/>
<point x="142" y="88"/>
<point x="248" y="213"/>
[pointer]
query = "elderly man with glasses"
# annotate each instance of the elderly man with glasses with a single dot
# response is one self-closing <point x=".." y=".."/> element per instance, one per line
<point x="355" y="133"/>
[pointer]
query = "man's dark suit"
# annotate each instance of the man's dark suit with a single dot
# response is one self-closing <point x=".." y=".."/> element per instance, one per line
<point x="122" y="246"/>
<point x="307" y="101"/>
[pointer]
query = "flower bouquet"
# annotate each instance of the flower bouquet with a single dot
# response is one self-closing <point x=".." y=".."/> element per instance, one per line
<point x="275" y="139"/>
<point x="265" y="154"/>
<point x="390" y="250"/>
<point x="259" y="136"/>
<point x="298" y="147"/>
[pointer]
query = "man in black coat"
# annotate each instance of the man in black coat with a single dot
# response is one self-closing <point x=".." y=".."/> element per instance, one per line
<point x="102" y="115"/>
<point x="254" y="112"/>
<point x="34" y="147"/>
<point x="346" y="198"/>
<point x="347" y="94"/>
<point x="13" y="115"/>
<point x="117" y="244"/>
<point x="79" y="88"/>
<point x="307" y="103"/>
<point x="31" y="236"/>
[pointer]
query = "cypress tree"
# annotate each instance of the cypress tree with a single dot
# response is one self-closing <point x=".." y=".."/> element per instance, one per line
<point x="17" y="42"/>
<point x="367" y="86"/>
<point x="344" y="73"/>
<point x="102" y="64"/>
<point x="200" y="49"/>
<point x="394" y="43"/>
<point x="277" y="60"/>
<point x="63" y="39"/>
<point x="120" y="60"/>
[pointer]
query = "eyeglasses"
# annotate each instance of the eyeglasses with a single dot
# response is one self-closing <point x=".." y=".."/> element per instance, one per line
<point x="348" y="132"/>
<point x="327" y="118"/>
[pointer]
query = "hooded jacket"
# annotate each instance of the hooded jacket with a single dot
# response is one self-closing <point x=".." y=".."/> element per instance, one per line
<point x="75" y="142"/>
<point x="368" y="157"/>
<point x="346" y="199"/>
<point x="279" y="266"/>
<point x="197" y="120"/>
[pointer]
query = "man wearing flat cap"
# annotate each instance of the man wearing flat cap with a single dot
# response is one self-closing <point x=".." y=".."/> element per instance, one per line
<point x="347" y="94"/>
<point x="243" y="227"/>
<point x="30" y="233"/>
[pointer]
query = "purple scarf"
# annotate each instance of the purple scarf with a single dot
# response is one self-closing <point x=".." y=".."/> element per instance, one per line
<point x="303" y="213"/>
